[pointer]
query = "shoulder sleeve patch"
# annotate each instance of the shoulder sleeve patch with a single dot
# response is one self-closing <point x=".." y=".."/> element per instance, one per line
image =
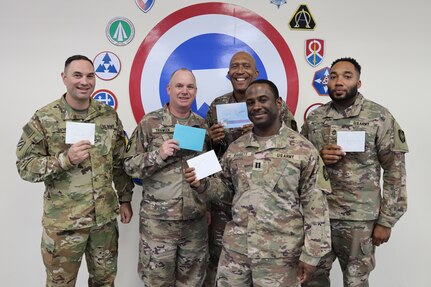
<point x="323" y="182"/>
<point x="400" y="143"/>
<point x="21" y="143"/>
<point x="28" y="137"/>
<point x="28" y="130"/>
<point x="294" y="125"/>
<point x="32" y="134"/>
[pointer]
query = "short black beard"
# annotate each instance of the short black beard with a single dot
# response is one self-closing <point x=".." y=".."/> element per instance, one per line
<point x="351" y="93"/>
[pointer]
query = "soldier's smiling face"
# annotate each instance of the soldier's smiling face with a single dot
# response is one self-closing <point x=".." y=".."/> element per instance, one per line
<point x="79" y="79"/>
<point x="242" y="71"/>
<point x="182" y="90"/>
<point x="263" y="109"/>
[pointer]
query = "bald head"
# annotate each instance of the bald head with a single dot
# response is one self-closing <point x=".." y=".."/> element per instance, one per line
<point x="242" y="71"/>
<point x="243" y="55"/>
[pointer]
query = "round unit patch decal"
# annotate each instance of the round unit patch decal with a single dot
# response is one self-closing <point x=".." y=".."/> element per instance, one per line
<point x="203" y="38"/>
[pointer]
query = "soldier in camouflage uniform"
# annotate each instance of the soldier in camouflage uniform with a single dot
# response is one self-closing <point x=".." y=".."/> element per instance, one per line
<point x="274" y="179"/>
<point x="174" y="243"/>
<point x="80" y="204"/>
<point x="242" y="71"/>
<point x="362" y="214"/>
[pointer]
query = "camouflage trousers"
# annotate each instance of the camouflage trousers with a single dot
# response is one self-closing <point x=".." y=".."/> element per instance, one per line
<point x="62" y="253"/>
<point x="352" y="245"/>
<point x="173" y="252"/>
<point x="219" y="218"/>
<point x="237" y="270"/>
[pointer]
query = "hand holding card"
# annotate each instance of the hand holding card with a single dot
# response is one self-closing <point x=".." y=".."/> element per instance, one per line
<point x="189" y="137"/>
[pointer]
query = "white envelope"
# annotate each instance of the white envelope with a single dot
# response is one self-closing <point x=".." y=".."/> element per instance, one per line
<point x="351" y="141"/>
<point x="205" y="164"/>
<point x="76" y="131"/>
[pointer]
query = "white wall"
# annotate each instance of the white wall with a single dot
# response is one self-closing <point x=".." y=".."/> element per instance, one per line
<point x="391" y="42"/>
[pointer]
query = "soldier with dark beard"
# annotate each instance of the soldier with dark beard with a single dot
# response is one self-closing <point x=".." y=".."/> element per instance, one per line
<point x="362" y="212"/>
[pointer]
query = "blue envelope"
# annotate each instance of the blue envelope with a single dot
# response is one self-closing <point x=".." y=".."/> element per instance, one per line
<point x="189" y="137"/>
<point x="232" y="115"/>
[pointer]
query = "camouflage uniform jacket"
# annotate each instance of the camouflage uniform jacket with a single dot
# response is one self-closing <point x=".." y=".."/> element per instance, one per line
<point x="76" y="196"/>
<point x="356" y="178"/>
<point x="234" y="133"/>
<point x="277" y="190"/>
<point x="166" y="194"/>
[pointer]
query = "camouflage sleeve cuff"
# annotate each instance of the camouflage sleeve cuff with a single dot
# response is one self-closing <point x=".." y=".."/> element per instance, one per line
<point x="160" y="162"/>
<point x="386" y="221"/>
<point x="203" y="187"/>
<point x="126" y="197"/>
<point x="310" y="260"/>
<point x="210" y="198"/>
<point x="64" y="161"/>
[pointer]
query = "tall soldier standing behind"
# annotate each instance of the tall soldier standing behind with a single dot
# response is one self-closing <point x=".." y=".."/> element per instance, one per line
<point x="242" y="71"/>
<point x="173" y="226"/>
<point x="362" y="214"/>
<point x="80" y="204"/>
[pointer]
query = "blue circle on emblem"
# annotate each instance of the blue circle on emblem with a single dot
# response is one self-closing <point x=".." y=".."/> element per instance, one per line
<point x="207" y="51"/>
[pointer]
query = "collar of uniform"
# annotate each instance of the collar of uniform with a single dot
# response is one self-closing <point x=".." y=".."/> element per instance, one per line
<point x="231" y="98"/>
<point x="169" y="118"/>
<point x="349" y="112"/>
<point x="68" y="112"/>
<point x="278" y="141"/>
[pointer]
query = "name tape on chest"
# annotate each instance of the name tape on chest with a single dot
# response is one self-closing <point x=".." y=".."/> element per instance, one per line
<point x="163" y="130"/>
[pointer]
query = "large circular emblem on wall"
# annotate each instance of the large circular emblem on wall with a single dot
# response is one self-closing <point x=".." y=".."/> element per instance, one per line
<point x="203" y="38"/>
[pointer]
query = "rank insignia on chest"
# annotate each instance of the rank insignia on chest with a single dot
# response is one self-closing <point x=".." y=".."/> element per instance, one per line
<point x="258" y="165"/>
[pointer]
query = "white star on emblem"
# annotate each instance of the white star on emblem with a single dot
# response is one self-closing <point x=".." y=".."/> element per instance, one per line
<point x="278" y="2"/>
